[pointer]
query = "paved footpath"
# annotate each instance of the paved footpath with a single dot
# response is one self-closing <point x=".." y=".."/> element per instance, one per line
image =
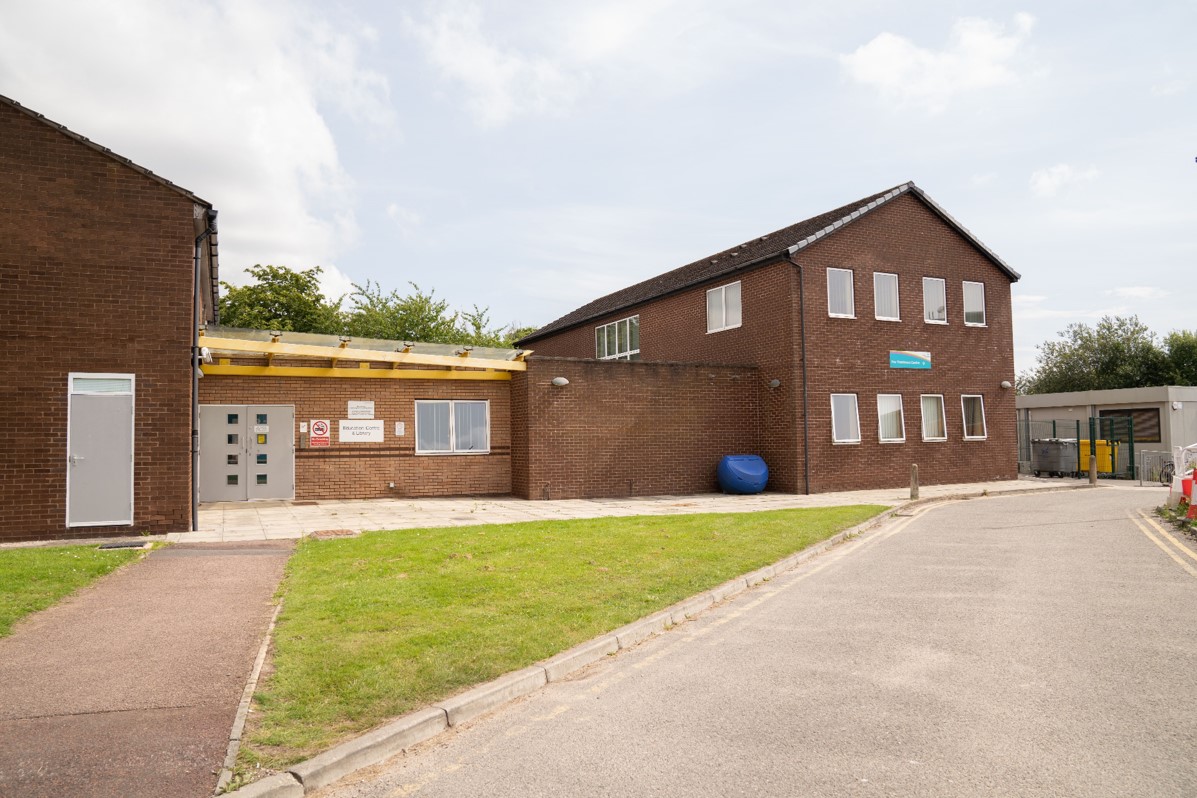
<point x="130" y="687"/>
<point x="1037" y="645"/>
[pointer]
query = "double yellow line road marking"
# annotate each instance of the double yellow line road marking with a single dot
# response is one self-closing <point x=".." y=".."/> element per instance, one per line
<point x="1149" y="526"/>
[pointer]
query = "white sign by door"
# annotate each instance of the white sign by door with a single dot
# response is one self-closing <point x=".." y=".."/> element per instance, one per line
<point x="361" y="410"/>
<point x="360" y="431"/>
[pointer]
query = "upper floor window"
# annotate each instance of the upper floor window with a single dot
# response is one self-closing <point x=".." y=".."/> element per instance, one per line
<point x="845" y="418"/>
<point x="619" y="340"/>
<point x="935" y="301"/>
<point x="723" y="307"/>
<point x="885" y="296"/>
<point x="840" y="300"/>
<point x="974" y="304"/>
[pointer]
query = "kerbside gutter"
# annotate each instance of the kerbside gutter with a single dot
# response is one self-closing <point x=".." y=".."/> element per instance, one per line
<point x="196" y="312"/>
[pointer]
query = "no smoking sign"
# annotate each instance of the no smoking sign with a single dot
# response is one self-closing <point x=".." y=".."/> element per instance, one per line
<point x="321" y="434"/>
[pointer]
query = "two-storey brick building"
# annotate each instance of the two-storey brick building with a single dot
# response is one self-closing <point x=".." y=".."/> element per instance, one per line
<point x="878" y="336"/>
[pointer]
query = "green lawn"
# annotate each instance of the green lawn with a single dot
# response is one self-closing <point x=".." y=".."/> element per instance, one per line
<point x="34" y="578"/>
<point x="375" y="626"/>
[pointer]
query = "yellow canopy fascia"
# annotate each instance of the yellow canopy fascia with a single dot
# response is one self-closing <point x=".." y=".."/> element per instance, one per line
<point x="344" y="373"/>
<point x="277" y="348"/>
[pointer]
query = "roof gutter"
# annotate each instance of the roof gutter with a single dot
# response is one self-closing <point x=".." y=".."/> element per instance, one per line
<point x="196" y="312"/>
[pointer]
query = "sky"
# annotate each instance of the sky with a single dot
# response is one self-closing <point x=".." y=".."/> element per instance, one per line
<point x="530" y="156"/>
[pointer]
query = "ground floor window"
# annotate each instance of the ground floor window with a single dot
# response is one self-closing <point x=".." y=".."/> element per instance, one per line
<point x="934" y="428"/>
<point x="845" y="418"/>
<point x="452" y="426"/>
<point x="973" y="408"/>
<point x="891" y="427"/>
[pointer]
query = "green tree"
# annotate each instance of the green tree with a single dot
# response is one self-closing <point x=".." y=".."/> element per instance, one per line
<point x="281" y="299"/>
<point x="417" y="316"/>
<point x="1181" y="346"/>
<point x="1119" y="352"/>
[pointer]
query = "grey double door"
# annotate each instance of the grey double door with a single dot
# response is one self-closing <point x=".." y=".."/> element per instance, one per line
<point x="247" y="452"/>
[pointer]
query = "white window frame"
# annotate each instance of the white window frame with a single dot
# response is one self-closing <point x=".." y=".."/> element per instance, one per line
<point x="964" y="417"/>
<point x="923" y="416"/>
<point x="964" y="302"/>
<point x="943" y="285"/>
<point x="851" y="294"/>
<point x="901" y="415"/>
<point x="723" y="305"/>
<point x="452" y="450"/>
<point x="624" y="355"/>
<point x="897" y="298"/>
<point x="856" y="411"/>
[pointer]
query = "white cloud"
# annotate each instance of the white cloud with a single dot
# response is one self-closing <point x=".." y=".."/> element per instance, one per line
<point x="980" y="54"/>
<point x="407" y="220"/>
<point x="1047" y="182"/>
<point x="1137" y="292"/>
<point x="501" y="83"/>
<point x="228" y="99"/>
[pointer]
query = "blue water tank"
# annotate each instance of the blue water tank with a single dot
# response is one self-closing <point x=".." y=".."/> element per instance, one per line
<point x="742" y="473"/>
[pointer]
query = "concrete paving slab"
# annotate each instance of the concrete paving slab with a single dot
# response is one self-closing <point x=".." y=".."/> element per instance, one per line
<point x="130" y="686"/>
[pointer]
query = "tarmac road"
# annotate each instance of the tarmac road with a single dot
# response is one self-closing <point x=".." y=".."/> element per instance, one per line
<point x="1040" y="645"/>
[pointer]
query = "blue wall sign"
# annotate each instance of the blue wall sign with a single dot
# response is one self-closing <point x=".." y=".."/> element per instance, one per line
<point x="909" y="360"/>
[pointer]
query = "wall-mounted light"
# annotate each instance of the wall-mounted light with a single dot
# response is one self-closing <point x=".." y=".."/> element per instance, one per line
<point x="1006" y="385"/>
<point x="560" y="382"/>
<point x="275" y="335"/>
<point x="775" y="383"/>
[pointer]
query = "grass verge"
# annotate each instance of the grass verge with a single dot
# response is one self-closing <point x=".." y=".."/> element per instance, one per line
<point x="375" y="626"/>
<point x="32" y="579"/>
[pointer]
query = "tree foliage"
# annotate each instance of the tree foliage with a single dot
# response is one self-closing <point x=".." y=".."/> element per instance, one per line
<point x="1118" y="352"/>
<point x="289" y="300"/>
<point x="280" y="299"/>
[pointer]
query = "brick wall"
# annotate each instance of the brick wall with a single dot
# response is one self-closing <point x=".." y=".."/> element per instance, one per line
<point x="628" y="428"/>
<point x="852" y="355"/>
<point x="95" y="276"/>
<point x="362" y="470"/>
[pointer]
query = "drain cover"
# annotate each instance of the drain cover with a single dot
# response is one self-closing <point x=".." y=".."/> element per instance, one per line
<point x="124" y="544"/>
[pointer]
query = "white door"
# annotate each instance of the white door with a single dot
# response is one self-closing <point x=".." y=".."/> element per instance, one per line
<point x="100" y="450"/>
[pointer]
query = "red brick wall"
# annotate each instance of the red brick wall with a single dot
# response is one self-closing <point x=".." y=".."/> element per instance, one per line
<point x="95" y="276"/>
<point x="852" y="355"/>
<point x="628" y="428"/>
<point x="674" y="329"/>
<point x="362" y="470"/>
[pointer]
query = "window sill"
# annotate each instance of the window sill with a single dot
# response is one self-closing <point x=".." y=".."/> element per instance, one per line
<point x="723" y="329"/>
<point x="451" y="454"/>
<point x="883" y="442"/>
<point x="933" y="321"/>
<point x="974" y="324"/>
<point x="840" y="316"/>
<point x="982" y="438"/>
<point x="845" y="443"/>
<point x="935" y="440"/>
<point x="885" y="318"/>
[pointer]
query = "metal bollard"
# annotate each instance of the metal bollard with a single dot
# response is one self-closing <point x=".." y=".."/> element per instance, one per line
<point x="1092" y="469"/>
<point x="914" y="481"/>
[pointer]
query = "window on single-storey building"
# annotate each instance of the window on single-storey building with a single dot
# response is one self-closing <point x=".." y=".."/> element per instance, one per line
<point x="934" y="428"/>
<point x="723" y="307"/>
<point x="935" y="300"/>
<point x="891" y="426"/>
<point x="845" y="418"/>
<point x="973" y="408"/>
<point x="619" y="340"/>
<point x="452" y="426"/>
<point x="974" y="304"/>
<point x="885" y="297"/>
<point x="1145" y="421"/>
<point x="840" y="299"/>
